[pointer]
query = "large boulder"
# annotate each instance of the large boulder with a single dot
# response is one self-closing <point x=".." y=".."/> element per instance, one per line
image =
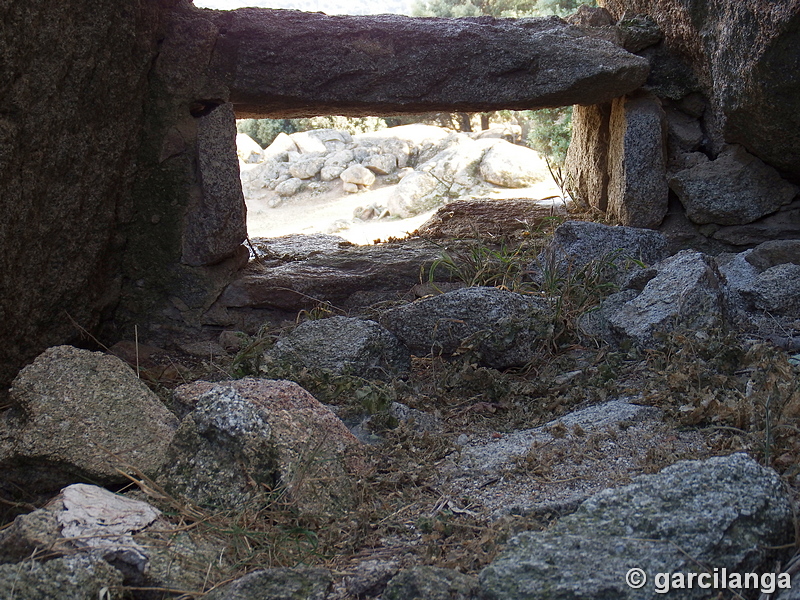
<point x="528" y="64"/>
<point x="250" y="438"/>
<point x="68" y="165"/>
<point x="381" y="164"/>
<point x="80" y="415"/>
<point x="358" y="175"/>
<point x="775" y="291"/>
<point x="735" y="189"/>
<point x="512" y="166"/>
<point x="248" y="150"/>
<point x="575" y="244"/>
<point x="724" y="512"/>
<point x="416" y="193"/>
<point x="307" y="167"/>
<point x="545" y="469"/>
<point x="330" y="272"/>
<point x="504" y="329"/>
<point x="342" y="345"/>
<point x="773" y="253"/>
<point x="280" y="147"/>
<point x="289" y="187"/>
<point x="415" y="142"/>
<point x="457" y="165"/>
<point x="685" y="293"/>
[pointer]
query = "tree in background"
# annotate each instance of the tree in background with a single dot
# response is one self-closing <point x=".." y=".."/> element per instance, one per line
<point x="264" y="131"/>
<point x="496" y="8"/>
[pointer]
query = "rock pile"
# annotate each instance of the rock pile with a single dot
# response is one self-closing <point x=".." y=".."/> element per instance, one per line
<point x="428" y="164"/>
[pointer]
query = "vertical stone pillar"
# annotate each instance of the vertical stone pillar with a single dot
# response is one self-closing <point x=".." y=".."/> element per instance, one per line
<point x="215" y="223"/>
<point x="587" y="157"/>
<point x="637" y="165"/>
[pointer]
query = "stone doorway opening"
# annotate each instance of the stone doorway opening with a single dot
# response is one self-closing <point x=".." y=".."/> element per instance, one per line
<point x="385" y="183"/>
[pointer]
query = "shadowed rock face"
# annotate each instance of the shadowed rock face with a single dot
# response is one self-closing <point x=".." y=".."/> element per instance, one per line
<point x="744" y="56"/>
<point x="291" y="64"/>
<point x="72" y="79"/>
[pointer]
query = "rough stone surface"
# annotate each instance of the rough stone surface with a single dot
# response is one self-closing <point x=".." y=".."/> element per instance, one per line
<point x="215" y="225"/>
<point x="358" y="174"/>
<point x="587" y="157"/>
<point x="458" y="164"/>
<point x="370" y="577"/>
<point x="247" y="437"/>
<point x="100" y="520"/>
<point x="289" y="187"/>
<point x="381" y="164"/>
<point x="637" y="186"/>
<point x="503" y="328"/>
<point x="248" y="150"/>
<point x="735" y="189"/>
<point x="432" y="583"/>
<point x="686" y="294"/>
<point x="66" y="163"/>
<point x="343" y="346"/>
<point x="329" y="276"/>
<point x="784" y="224"/>
<point x="78" y="415"/>
<point x="739" y="54"/>
<point x="487" y="217"/>
<point x="760" y="300"/>
<point x="512" y="166"/>
<point x="307" y="167"/>
<point x="281" y="145"/>
<point x="723" y="512"/>
<point x="417" y="192"/>
<point x="773" y="253"/>
<point x="307" y="143"/>
<point x="576" y="243"/>
<point x="387" y="64"/>
<point x="555" y="467"/>
<point x="776" y="291"/>
<point x="78" y="577"/>
<point x="277" y="584"/>
<point x="98" y="529"/>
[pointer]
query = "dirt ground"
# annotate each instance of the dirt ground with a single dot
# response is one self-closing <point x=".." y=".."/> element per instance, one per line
<point x="332" y="211"/>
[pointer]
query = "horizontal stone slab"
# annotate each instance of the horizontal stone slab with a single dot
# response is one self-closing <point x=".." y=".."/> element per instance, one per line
<point x="281" y="63"/>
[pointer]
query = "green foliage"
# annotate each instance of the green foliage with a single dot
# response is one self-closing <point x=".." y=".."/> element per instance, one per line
<point x="550" y="132"/>
<point x="264" y="131"/>
<point x="496" y="8"/>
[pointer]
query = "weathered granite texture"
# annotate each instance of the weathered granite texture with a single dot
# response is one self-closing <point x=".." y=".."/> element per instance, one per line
<point x="741" y="54"/>
<point x="72" y="79"/>
<point x="287" y="63"/>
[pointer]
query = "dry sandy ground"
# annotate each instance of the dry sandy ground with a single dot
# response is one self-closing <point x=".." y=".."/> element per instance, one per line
<point x="332" y="212"/>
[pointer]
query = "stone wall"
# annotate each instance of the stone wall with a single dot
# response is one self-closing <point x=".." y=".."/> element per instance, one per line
<point x="742" y="55"/>
<point x="119" y="191"/>
<point x="713" y="156"/>
<point x="72" y="81"/>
